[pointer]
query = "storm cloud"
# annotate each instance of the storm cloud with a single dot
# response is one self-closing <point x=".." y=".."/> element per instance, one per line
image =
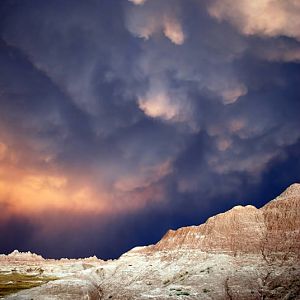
<point x="120" y="120"/>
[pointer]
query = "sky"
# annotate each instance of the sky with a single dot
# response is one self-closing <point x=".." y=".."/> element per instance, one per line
<point x="122" y="119"/>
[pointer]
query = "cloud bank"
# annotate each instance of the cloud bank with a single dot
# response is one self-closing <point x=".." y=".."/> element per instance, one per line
<point x="141" y="114"/>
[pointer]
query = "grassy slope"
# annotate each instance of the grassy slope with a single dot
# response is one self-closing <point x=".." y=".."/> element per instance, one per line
<point x="14" y="282"/>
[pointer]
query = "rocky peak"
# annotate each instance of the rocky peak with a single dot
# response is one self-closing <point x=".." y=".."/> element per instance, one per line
<point x="292" y="191"/>
<point x="244" y="229"/>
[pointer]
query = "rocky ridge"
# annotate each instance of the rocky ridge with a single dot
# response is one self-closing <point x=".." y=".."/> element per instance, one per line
<point x="272" y="229"/>
<point x="32" y="264"/>
<point x="244" y="253"/>
<point x="21" y="256"/>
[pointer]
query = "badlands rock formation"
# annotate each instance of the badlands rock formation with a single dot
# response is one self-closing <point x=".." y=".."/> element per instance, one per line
<point x="245" y="253"/>
<point x="21" y="256"/>
<point x="273" y="229"/>
<point x="33" y="264"/>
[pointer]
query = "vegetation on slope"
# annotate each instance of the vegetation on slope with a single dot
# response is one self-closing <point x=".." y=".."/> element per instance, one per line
<point x="14" y="282"/>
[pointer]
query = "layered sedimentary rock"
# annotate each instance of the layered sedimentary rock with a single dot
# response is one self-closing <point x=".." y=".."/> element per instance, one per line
<point x="245" y="253"/>
<point x="247" y="230"/>
<point x="238" y="230"/>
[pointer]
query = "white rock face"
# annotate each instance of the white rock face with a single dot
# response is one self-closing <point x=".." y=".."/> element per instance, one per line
<point x="21" y="256"/>
<point x="245" y="253"/>
<point x="33" y="264"/>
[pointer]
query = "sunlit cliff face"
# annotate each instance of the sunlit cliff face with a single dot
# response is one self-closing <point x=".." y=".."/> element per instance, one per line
<point x="113" y="113"/>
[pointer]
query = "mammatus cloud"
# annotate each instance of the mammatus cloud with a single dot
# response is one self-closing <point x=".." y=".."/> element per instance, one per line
<point x="288" y="55"/>
<point x="173" y="30"/>
<point x="232" y="95"/>
<point x="148" y="20"/>
<point x="218" y="77"/>
<point x="159" y="106"/>
<point x="228" y="89"/>
<point x="268" y="18"/>
<point x="138" y="2"/>
<point x="165" y="102"/>
<point x="279" y="50"/>
<point x="223" y="143"/>
<point x="146" y="177"/>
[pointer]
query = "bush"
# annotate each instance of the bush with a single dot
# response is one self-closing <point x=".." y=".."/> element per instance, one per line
<point x="183" y="293"/>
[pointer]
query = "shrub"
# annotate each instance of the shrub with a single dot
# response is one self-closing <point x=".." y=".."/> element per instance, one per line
<point x="182" y="293"/>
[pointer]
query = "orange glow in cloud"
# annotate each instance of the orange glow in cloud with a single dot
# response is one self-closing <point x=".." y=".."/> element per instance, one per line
<point x="28" y="190"/>
<point x="3" y="149"/>
<point x="35" y="194"/>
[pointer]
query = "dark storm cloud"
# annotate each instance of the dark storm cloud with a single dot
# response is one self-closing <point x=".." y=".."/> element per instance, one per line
<point x="151" y="108"/>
